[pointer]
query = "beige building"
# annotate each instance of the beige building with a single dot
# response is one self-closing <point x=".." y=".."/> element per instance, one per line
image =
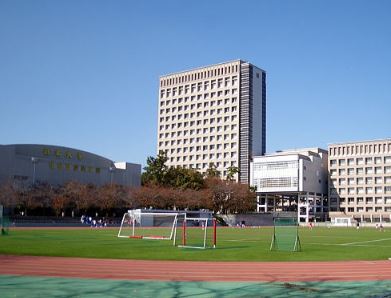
<point x="360" y="179"/>
<point x="213" y="115"/>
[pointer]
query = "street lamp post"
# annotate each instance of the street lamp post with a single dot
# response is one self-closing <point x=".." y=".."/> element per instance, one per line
<point x="34" y="161"/>
<point x="111" y="169"/>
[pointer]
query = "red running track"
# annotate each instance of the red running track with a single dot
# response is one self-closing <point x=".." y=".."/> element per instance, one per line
<point x="195" y="271"/>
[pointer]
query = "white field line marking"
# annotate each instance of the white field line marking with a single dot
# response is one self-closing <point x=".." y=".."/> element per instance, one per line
<point x="239" y="240"/>
<point x="369" y="241"/>
<point x="326" y="236"/>
<point x="336" y="244"/>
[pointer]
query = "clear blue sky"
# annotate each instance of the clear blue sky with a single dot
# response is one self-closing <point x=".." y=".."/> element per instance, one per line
<point x="84" y="74"/>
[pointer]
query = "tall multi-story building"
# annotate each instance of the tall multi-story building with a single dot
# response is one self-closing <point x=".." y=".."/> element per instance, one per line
<point x="292" y="181"/>
<point x="214" y="115"/>
<point x="360" y="179"/>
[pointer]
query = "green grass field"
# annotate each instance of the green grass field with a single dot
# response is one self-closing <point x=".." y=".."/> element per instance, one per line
<point x="233" y="244"/>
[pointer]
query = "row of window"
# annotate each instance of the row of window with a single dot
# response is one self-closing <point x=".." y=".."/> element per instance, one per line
<point x="212" y="138"/>
<point x="276" y="165"/>
<point x="179" y="102"/>
<point x="192" y="158"/>
<point x="361" y="180"/>
<point x="366" y="200"/>
<point x="218" y="155"/>
<point x="205" y="105"/>
<point x="185" y="116"/>
<point x="361" y="171"/>
<point x="366" y="209"/>
<point x="168" y="94"/>
<point x="179" y="134"/>
<point x="205" y="95"/>
<point x="205" y="166"/>
<point x="361" y="149"/>
<point x="276" y="182"/>
<point x="220" y="82"/>
<point x="184" y="133"/>
<point x="361" y="190"/>
<point x="193" y="124"/>
<point x="200" y="148"/>
<point x="201" y="116"/>
<point x="360" y="161"/>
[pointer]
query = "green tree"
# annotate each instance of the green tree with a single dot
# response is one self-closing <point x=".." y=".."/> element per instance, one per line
<point x="184" y="178"/>
<point x="156" y="170"/>
<point x="212" y="171"/>
<point x="231" y="172"/>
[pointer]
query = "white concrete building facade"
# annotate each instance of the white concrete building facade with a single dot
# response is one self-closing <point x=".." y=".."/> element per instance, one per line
<point x="360" y="179"/>
<point x="213" y="115"/>
<point x="292" y="181"/>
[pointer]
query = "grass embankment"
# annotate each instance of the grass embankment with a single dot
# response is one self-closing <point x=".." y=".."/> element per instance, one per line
<point x="234" y="244"/>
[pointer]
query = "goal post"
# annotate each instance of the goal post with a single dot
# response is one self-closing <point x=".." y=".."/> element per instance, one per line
<point x="200" y="233"/>
<point x="149" y="225"/>
<point x="285" y="234"/>
<point x="342" y="222"/>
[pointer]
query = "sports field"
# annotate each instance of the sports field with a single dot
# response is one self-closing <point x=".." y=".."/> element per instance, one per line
<point x="233" y="244"/>
<point x="335" y="262"/>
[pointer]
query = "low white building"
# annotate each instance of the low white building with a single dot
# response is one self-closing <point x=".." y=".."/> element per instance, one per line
<point x="292" y="181"/>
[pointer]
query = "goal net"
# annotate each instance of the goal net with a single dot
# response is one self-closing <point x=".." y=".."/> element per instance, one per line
<point x="286" y="235"/>
<point x="342" y="222"/>
<point x="149" y="225"/>
<point x="196" y="233"/>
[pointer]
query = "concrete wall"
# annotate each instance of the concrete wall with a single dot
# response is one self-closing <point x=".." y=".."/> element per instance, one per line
<point x="250" y="219"/>
<point x="316" y="175"/>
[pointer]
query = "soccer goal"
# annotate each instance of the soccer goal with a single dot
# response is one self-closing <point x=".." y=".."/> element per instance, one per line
<point x="342" y="222"/>
<point x="149" y="225"/>
<point x="196" y="233"/>
<point x="286" y="235"/>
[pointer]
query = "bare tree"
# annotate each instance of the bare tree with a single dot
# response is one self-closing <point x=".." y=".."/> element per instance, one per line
<point x="8" y="195"/>
<point x="109" y="197"/>
<point x="59" y="203"/>
<point x="81" y="196"/>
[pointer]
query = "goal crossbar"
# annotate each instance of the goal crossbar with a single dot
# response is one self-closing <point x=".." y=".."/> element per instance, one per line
<point x="204" y="226"/>
<point x="285" y="235"/>
<point x="132" y="219"/>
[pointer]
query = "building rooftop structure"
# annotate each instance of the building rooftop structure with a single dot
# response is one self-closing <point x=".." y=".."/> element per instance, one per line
<point x="358" y="142"/>
<point x="205" y="67"/>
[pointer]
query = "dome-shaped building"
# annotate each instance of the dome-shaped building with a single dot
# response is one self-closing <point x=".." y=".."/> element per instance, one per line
<point x="27" y="164"/>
